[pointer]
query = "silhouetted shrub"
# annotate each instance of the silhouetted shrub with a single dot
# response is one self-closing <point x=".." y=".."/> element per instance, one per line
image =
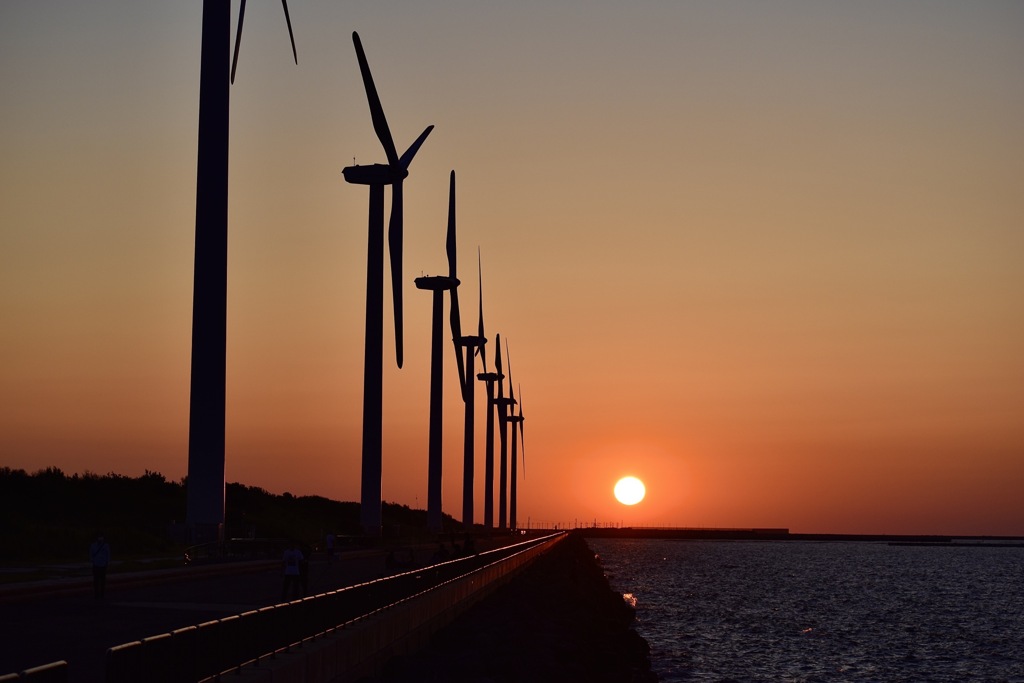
<point x="51" y="516"/>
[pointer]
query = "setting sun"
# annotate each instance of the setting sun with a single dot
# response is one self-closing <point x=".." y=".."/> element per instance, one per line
<point x="629" y="490"/>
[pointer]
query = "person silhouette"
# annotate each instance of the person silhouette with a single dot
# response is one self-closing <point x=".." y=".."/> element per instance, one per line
<point x="307" y="552"/>
<point x="291" y="560"/>
<point x="330" y="541"/>
<point x="99" y="556"/>
<point x="440" y="555"/>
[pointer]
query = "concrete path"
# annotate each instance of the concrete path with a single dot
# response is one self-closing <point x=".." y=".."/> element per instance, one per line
<point x="40" y="624"/>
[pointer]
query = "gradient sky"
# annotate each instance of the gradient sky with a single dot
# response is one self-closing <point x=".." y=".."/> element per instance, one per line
<point x="766" y="256"/>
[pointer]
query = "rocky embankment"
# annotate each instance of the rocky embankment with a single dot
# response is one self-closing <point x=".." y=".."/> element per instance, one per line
<point x="557" y="621"/>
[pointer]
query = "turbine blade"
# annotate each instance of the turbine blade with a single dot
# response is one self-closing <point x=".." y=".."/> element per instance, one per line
<point x="238" y="39"/>
<point x="482" y="352"/>
<point x="456" y="325"/>
<point x="480" y="326"/>
<point x="480" y="289"/>
<point x="511" y="387"/>
<point x="497" y="364"/>
<point x="455" y="320"/>
<point x="413" y="148"/>
<point x="288" y="20"/>
<point x="522" y="445"/>
<point x="522" y="431"/>
<point x="395" y="249"/>
<point x="450" y="243"/>
<point x="380" y="123"/>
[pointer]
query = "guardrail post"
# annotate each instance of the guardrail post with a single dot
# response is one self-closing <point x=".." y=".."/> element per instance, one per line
<point x="257" y="635"/>
<point x="183" y="645"/>
<point x="229" y="643"/>
<point x="124" y="662"/>
<point x="158" y="658"/>
<point x="204" y="653"/>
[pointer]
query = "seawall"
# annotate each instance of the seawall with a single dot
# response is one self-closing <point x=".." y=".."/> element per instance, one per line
<point x="558" y="620"/>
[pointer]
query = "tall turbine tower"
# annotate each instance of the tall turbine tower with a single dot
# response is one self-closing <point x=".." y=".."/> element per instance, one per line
<point x="513" y="495"/>
<point x="439" y="284"/>
<point x="377" y="176"/>
<point x="490" y="378"/>
<point x="502" y="404"/>
<point x="204" y="516"/>
<point x="471" y="343"/>
<point x="514" y="420"/>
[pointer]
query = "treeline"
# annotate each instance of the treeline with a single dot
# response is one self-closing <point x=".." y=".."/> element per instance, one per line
<point x="49" y="515"/>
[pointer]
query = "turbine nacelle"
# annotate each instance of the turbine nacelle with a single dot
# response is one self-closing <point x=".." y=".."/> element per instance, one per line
<point x="374" y="174"/>
<point x="441" y="283"/>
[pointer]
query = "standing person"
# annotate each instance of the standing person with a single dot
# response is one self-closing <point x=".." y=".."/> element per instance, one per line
<point x="291" y="560"/>
<point x="330" y="547"/>
<point x="99" y="556"/>
<point x="307" y="553"/>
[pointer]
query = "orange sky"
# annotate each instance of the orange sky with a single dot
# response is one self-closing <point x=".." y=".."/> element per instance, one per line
<point x="767" y="257"/>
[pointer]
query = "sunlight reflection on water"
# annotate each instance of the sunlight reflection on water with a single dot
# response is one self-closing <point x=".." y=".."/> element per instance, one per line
<point x="797" y="611"/>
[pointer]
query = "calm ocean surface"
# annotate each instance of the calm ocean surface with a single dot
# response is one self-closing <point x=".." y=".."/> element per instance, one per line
<point x="802" y="611"/>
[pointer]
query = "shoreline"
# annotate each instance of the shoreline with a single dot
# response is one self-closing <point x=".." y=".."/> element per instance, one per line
<point x="780" y="534"/>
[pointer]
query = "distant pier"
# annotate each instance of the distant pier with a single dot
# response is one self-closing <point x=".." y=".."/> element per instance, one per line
<point x="772" y="534"/>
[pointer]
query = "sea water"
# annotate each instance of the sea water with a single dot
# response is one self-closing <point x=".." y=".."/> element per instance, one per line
<point x="816" y="611"/>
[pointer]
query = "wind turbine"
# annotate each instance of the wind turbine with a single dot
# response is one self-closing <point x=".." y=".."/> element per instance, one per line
<point x="502" y="403"/>
<point x="490" y="378"/>
<point x="377" y="176"/>
<point x="515" y="420"/>
<point x="439" y="284"/>
<point x="472" y="343"/>
<point x="204" y="516"/>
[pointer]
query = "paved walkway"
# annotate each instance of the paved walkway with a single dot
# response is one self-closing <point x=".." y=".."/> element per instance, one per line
<point x="39" y="625"/>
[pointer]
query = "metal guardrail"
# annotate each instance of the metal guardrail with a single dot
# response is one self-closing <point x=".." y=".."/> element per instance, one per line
<point x="207" y="650"/>
<point x="235" y="549"/>
<point x="402" y="628"/>
<point x="55" y="672"/>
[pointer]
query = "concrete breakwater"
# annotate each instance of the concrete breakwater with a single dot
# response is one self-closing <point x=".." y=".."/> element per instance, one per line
<point x="558" y="620"/>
